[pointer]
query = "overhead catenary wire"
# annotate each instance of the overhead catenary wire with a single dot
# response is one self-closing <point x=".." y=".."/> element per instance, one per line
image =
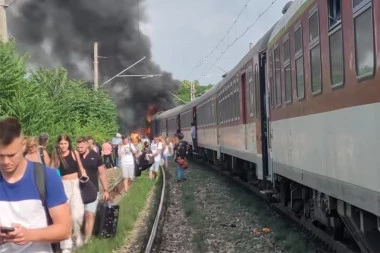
<point x="238" y="38"/>
<point x="203" y="59"/>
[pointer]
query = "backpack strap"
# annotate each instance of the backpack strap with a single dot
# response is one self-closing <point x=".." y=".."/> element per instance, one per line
<point x="39" y="177"/>
<point x="42" y="156"/>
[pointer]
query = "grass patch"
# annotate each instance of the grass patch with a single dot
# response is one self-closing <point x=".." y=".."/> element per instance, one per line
<point x="130" y="207"/>
<point x="193" y="215"/>
<point x="283" y="230"/>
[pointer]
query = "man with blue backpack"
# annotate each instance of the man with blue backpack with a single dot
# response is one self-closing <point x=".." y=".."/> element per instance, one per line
<point x="34" y="210"/>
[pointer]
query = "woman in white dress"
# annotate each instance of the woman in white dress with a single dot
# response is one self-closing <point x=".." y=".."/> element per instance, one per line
<point x="126" y="152"/>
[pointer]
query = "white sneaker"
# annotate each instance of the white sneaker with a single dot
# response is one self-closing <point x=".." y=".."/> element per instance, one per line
<point x="78" y="242"/>
<point x="66" y="251"/>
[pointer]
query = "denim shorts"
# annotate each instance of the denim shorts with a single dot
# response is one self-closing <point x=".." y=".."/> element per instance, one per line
<point x="91" y="207"/>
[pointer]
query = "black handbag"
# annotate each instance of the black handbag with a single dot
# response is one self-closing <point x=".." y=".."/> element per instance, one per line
<point x="88" y="190"/>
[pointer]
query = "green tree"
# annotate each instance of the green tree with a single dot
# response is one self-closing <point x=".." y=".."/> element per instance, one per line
<point x="49" y="101"/>
<point x="183" y="95"/>
<point x="12" y="73"/>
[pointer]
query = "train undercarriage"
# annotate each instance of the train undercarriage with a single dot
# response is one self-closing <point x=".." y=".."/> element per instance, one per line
<point x="342" y="222"/>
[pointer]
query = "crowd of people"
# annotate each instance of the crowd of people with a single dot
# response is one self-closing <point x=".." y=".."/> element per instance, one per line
<point x="30" y="223"/>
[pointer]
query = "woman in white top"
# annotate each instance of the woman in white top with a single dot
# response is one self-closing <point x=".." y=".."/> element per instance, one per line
<point x="126" y="152"/>
<point x="168" y="150"/>
<point x="156" y="148"/>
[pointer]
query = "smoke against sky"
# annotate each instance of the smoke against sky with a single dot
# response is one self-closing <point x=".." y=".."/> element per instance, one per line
<point x="61" y="33"/>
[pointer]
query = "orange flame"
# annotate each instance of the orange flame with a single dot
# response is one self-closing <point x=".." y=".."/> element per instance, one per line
<point x="152" y="109"/>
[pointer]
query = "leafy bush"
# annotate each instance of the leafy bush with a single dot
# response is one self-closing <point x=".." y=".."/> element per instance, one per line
<point x="48" y="101"/>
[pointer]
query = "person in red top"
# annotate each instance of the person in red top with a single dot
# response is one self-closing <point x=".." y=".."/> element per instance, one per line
<point x="107" y="154"/>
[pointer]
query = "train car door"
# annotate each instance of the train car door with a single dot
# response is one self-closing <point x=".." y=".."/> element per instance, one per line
<point x="196" y="128"/>
<point x="244" y="106"/>
<point x="178" y="123"/>
<point x="217" y="120"/>
<point x="166" y="127"/>
<point x="265" y="119"/>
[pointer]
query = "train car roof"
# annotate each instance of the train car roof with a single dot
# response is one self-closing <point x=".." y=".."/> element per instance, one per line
<point x="190" y="105"/>
<point x="169" y="113"/>
<point x="260" y="46"/>
<point x="296" y="8"/>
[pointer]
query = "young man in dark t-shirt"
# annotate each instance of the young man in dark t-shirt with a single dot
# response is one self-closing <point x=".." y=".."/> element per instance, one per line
<point x="93" y="164"/>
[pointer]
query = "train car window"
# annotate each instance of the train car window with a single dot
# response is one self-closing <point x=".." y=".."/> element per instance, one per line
<point x="315" y="53"/>
<point x="314" y="26"/>
<point x="251" y="91"/>
<point x="271" y="89"/>
<point x="287" y="71"/>
<point x="335" y="43"/>
<point x="364" y="45"/>
<point x="257" y="91"/>
<point x="298" y="42"/>
<point x="236" y="101"/>
<point x="230" y="106"/>
<point x="277" y="74"/>
<point x="335" y="14"/>
<point x="357" y="4"/>
<point x="336" y="57"/>
<point x="298" y="48"/>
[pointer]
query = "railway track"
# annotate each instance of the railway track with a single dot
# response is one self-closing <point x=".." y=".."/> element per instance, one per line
<point x="150" y="239"/>
<point x="153" y="232"/>
<point x="335" y="246"/>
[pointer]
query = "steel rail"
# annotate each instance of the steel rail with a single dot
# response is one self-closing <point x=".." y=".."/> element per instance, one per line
<point x="153" y="232"/>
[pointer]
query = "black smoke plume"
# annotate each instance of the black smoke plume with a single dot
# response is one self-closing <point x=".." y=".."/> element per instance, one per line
<point x="61" y="33"/>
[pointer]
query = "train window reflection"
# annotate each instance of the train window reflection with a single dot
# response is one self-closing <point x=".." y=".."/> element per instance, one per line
<point x="251" y="91"/>
<point x="316" y="82"/>
<point x="336" y="58"/>
<point x="287" y="72"/>
<point x="298" y="39"/>
<point x="365" y="57"/>
<point x="314" y="26"/>
<point x="277" y="72"/>
<point x="300" y="78"/>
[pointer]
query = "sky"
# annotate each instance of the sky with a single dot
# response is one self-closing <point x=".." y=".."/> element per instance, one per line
<point x="183" y="32"/>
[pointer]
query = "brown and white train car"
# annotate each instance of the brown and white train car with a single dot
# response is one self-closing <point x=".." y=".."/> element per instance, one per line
<point x="169" y="122"/>
<point x="187" y="116"/>
<point x="207" y="128"/>
<point x="325" y="114"/>
<point x="241" y="104"/>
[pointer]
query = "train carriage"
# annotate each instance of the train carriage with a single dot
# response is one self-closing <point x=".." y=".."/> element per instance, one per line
<point x="298" y="116"/>
<point x="188" y="115"/>
<point x="207" y="125"/>
<point x="168" y="122"/>
<point x="242" y="117"/>
<point x="324" y="114"/>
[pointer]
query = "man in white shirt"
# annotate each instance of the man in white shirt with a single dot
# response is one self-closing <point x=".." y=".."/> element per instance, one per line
<point x="127" y="161"/>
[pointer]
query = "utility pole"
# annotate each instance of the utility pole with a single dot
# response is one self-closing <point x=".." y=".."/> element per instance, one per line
<point x="96" y="70"/>
<point x="192" y="91"/>
<point x="3" y="22"/>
